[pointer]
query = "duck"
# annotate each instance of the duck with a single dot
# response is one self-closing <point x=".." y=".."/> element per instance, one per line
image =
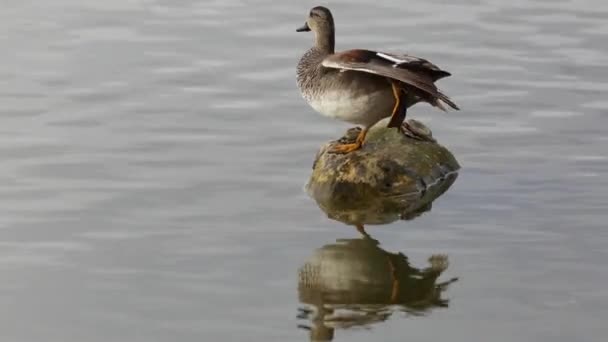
<point x="362" y="86"/>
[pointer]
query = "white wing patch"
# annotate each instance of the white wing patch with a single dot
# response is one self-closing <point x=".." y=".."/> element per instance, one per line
<point x="389" y="57"/>
<point x="400" y="60"/>
<point x="392" y="58"/>
<point x="332" y="64"/>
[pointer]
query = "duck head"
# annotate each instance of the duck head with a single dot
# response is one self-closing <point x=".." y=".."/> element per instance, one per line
<point x="321" y="23"/>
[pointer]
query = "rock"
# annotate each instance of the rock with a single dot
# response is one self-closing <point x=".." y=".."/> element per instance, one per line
<point x="390" y="171"/>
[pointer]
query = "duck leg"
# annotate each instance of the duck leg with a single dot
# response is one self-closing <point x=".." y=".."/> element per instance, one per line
<point x="361" y="229"/>
<point x="394" y="279"/>
<point x="400" y="108"/>
<point x="346" y="148"/>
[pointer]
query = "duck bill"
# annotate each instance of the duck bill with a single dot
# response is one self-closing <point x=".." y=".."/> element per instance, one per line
<point x="304" y="28"/>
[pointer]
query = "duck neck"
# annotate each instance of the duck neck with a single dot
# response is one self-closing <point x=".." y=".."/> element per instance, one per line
<point x="325" y="40"/>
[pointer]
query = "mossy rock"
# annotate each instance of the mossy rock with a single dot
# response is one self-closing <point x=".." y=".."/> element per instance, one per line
<point x="392" y="166"/>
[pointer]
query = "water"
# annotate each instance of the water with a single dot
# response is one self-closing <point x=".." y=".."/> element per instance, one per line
<point x="154" y="154"/>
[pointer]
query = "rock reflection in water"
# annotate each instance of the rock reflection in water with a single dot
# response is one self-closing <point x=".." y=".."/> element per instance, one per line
<point x="354" y="282"/>
<point x="385" y="209"/>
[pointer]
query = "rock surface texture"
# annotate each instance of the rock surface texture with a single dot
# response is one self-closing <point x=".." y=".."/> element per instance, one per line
<point x="391" y="167"/>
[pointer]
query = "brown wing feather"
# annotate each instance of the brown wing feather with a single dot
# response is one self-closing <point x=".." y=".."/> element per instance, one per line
<point x="369" y="61"/>
<point x="416" y="64"/>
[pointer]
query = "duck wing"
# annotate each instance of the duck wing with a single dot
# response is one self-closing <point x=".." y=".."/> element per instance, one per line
<point x="418" y="73"/>
<point x="415" y="64"/>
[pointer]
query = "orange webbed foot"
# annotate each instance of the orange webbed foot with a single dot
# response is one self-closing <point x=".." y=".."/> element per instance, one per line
<point x="347" y="148"/>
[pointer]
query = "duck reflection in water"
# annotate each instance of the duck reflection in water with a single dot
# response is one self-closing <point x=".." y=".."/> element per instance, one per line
<point x="356" y="283"/>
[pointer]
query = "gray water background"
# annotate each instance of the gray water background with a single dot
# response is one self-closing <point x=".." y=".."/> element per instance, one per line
<point x="153" y="156"/>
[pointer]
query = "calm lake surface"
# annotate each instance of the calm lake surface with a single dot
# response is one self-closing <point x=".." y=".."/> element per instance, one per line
<point x="154" y="155"/>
